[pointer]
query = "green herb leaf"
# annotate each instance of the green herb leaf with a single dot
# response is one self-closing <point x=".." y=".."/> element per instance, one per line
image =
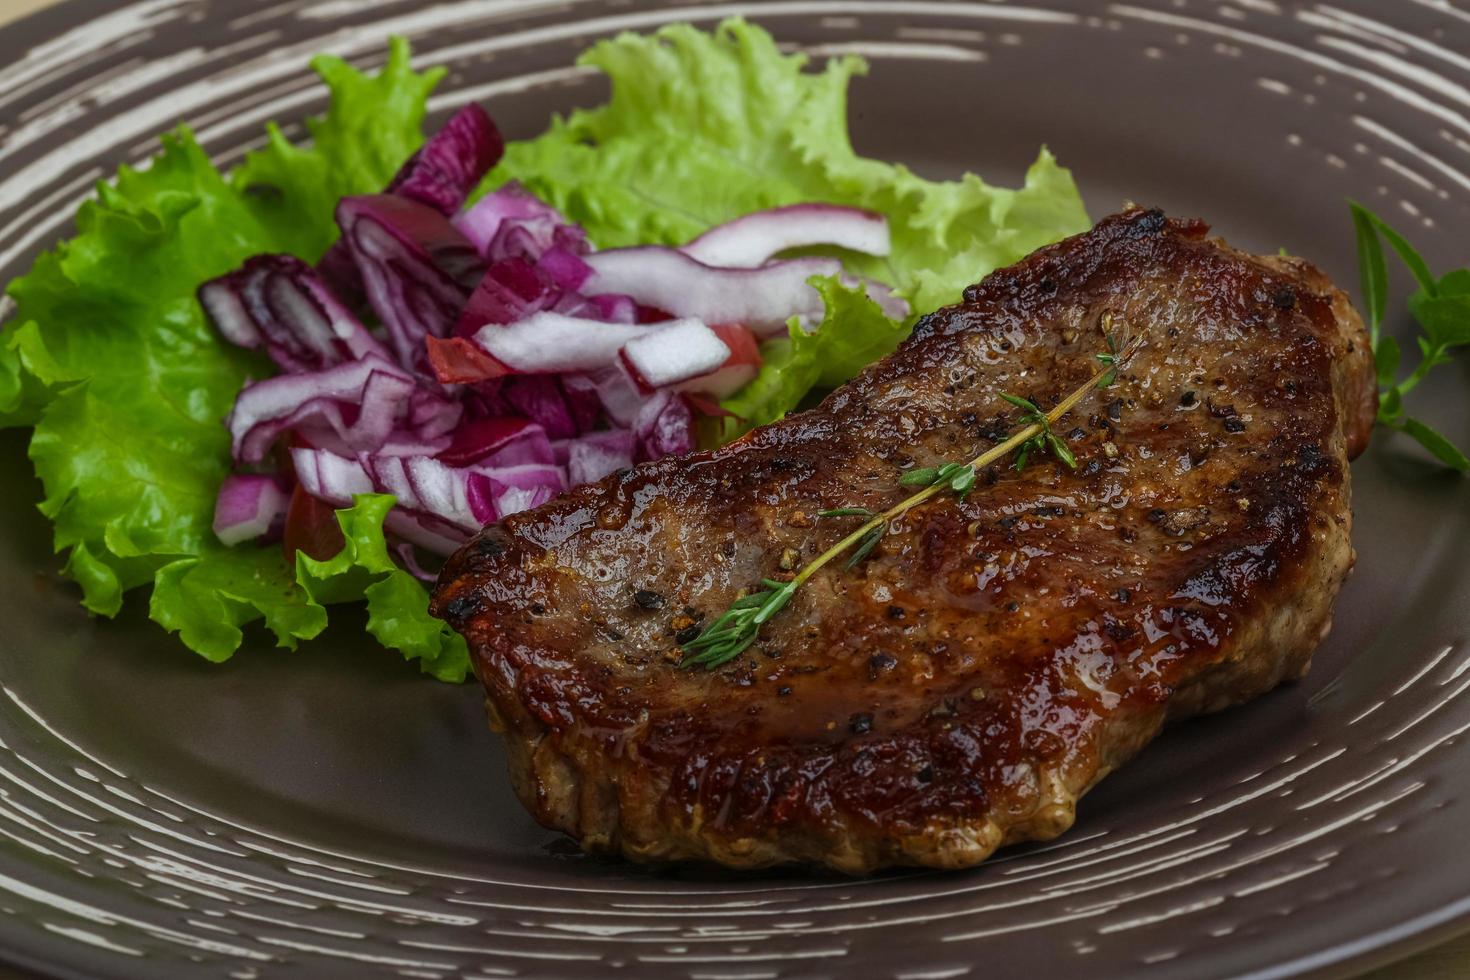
<point x="1390" y="406"/>
<point x="1109" y="359"/>
<point x="1386" y="360"/>
<point x="1412" y="260"/>
<point x="776" y="603"/>
<point x="1061" y="451"/>
<point x="1021" y="403"/>
<point x="1372" y="270"/>
<point x="1442" y="449"/>
<point x="962" y="483"/>
<point x="1445" y="318"/>
<point x="865" y="545"/>
<point x="922" y="477"/>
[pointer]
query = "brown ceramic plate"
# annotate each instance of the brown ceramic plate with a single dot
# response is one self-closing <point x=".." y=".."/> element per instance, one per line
<point x="330" y="813"/>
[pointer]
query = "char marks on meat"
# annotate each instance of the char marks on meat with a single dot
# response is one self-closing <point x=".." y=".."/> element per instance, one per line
<point x="994" y="658"/>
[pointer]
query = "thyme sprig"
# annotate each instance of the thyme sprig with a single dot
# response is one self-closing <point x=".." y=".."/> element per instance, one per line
<point x="1109" y="358"/>
<point x="733" y="632"/>
<point x="959" y="476"/>
<point x="1045" y="438"/>
<point x="727" y="637"/>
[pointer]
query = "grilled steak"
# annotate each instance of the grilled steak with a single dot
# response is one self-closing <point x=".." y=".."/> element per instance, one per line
<point x="994" y="657"/>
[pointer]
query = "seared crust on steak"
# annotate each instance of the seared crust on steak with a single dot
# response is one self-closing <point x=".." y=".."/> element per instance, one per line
<point x="994" y="658"/>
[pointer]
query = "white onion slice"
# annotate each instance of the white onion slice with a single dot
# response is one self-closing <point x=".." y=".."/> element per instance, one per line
<point x="683" y="349"/>
<point x="664" y="278"/>
<point x="743" y="364"/>
<point x="751" y="240"/>
<point x="551" y="343"/>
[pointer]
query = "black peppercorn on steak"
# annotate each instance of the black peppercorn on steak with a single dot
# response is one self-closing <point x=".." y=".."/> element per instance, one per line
<point x="993" y="657"/>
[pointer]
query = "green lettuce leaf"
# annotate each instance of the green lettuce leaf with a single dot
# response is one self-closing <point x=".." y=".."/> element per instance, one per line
<point x="207" y="598"/>
<point x="398" y="613"/>
<point x="704" y="127"/>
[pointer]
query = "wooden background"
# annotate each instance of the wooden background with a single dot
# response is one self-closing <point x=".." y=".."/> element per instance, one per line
<point x="1450" y="961"/>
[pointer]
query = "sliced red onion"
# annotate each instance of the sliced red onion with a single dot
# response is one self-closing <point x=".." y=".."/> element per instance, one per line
<point x="518" y="488"/>
<point x="550" y="343"/>
<point x="564" y="268"/>
<point x="614" y="309"/>
<point x="500" y="492"/>
<point x="280" y="303"/>
<point x="417" y="270"/>
<point x="447" y="167"/>
<point x="457" y="495"/>
<point x="751" y="240"/>
<point x="478" y="439"/>
<point x="509" y="291"/>
<point x="323" y="422"/>
<point x="431" y="415"/>
<point x="337" y="480"/>
<point x="534" y="449"/>
<point x="338" y="270"/>
<point x="762" y="299"/>
<point x="541" y="399"/>
<point x="525" y="475"/>
<point x="678" y="351"/>
<point x="268" y="408"/>
<point x="511" y="222"/>
<point x="400" y="444"/>
<point x="598" y="454"/>
<point x="663" y="427"/>
<point x="421" y="483"/>
<point x="480" y="494"/>
<point x="226" y="310"/>
<point x="513" y="499"/>
<point x="248" y="507"/>
<point x="441" y="175"/>
<point x="612" y="386"/>
<point x="330" y="477"/>
<point x="432" y="535"/>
